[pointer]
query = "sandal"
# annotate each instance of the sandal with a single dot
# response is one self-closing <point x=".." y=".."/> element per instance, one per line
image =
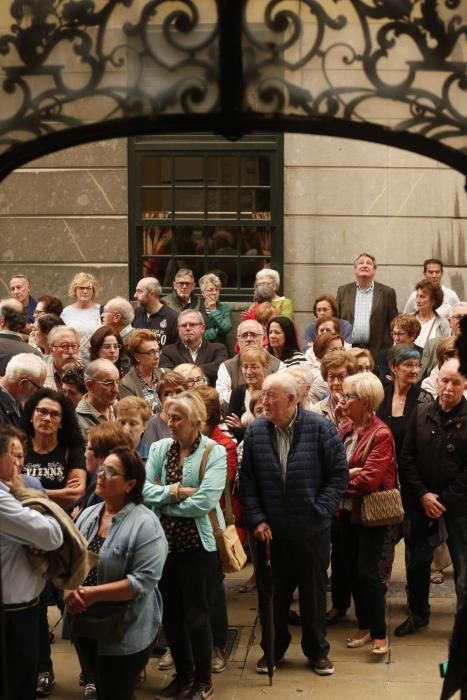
<point x="437" y="577"/>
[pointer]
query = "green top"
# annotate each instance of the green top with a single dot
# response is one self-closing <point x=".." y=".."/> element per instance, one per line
<point x="219" y="323"/>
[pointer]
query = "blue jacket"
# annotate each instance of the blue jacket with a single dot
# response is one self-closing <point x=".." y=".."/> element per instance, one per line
<point x="316" y="477"/>
<point x="135" y="548"/>
<point x="156" y="492"/>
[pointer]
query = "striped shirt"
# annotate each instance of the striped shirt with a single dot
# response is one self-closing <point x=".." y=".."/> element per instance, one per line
<point x="362" y="313"/>
<point x="284" y="438"/>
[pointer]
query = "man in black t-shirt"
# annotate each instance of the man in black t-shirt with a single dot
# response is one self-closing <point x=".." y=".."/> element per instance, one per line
<point x="152" y="313"/>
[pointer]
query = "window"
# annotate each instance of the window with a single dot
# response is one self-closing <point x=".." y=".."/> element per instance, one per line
<point x="208" y="204"/>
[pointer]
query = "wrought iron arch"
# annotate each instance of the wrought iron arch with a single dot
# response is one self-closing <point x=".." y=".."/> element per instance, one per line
<point x="388" y="71"/>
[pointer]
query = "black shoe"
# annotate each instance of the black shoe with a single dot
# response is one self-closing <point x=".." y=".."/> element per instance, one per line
<point x="411" y="625"/>
<point x="262" y="665"/>
<point x="177" y="689"/>
<point x="45" y="683"/>
<point x="334" y="616"/>
<point x="200" y="691"/>
<point x="323" y="666"/>
<point x="294" y="618"/>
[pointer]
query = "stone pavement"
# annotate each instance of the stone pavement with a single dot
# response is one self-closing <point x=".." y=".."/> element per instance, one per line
<point x="410" y="671"/>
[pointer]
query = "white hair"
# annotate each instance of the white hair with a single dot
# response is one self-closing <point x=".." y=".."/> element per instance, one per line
<point x="59" y="330"/>
<point x="96" y="366"/>
<point x="119" y="305"/>
<point x="25" y="365"/>
<point x="198" y="315"/>
<point x="269" y="272"/>
<point x="284" y="381"/>
<point x="304" y="371"/>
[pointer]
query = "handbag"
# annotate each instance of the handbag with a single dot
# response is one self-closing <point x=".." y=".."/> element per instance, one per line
<point x="101" y="621"/>
<point x="230" y="549"/>
<point x="381" y="507"/>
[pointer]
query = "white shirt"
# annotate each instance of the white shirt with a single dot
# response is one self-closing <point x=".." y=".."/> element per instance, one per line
<point x="19" y="526"/>
<point x="450" y="298"/>
<point x="224" y="382"/>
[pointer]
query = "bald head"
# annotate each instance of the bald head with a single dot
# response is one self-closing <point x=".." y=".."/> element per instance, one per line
<point x="250" y="332"/>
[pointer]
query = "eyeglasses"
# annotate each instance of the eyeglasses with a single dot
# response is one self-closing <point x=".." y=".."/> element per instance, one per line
<point x="55" y="415"/>
<point x="38" y="386"/>
<point x="349" y="397"/>
<point x="108" y="472"/>
<point x="38" y="312"/>
<point x="339" y="377"/>
<point x="409" y="365"/>
<point x="111" y="346"/>
<point x="197" y="380"/>
<point x="249" y="334"/>
<point x="457" y="317"/>
<point x="184" y="284"/>
<point x="106" y="382"/>
<point x="84" y="289"/>
<point x="154" y="353"/>
<point x="396" y="334"/>
<point x="67" y="346"/>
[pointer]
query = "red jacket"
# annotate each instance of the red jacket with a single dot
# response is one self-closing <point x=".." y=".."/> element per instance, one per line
<point x="231" y="449"/>
<point x="379" y="471"/>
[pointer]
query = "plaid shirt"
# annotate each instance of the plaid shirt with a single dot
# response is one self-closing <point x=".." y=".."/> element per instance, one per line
<point x="362" y="313"/>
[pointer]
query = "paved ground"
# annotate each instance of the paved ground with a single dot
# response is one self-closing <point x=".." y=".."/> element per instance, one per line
<point x="410" y="672"/>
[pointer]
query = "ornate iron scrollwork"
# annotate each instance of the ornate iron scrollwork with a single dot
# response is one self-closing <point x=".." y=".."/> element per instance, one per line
<point x="384" y="70"/>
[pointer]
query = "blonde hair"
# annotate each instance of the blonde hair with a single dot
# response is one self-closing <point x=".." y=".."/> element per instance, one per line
<point x="252" y="353"/>
<point x="362" y="352"/>
<point x="134" y="403"/>
<point x="186" y="368"/>
<point x="83" y="278"/>
<point x="365" y="385"/>
<point x="191" y="405"/>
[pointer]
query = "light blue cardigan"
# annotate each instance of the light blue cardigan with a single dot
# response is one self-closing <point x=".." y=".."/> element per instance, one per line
<point x="157" y="496"/>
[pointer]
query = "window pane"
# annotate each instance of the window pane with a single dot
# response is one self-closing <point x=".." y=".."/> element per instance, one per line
<point x="255" y="241"/>
<point x="249" y="268"/>
<point x="189" y="171"/>
<point x="157" y="170"/>
<point x="157" y="240"/>
<point x="255" y="203"/>
<point x="255" y="170"/>
<point x="222" y="170"/>
<point x="189" y="204"/>
<point x="188" y="240"/>
<point x="157" y="204"/>
<point x="222" y="204"/>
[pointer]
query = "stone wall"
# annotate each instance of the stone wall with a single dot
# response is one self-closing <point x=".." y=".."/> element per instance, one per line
<point x="344" y="197"/>
<point x="64" y="213"/>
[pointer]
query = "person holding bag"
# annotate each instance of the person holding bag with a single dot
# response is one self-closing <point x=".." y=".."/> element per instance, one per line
<point x="175" y="490"/>
<point x="116" y="613"/>
<point x="370" y="452"/>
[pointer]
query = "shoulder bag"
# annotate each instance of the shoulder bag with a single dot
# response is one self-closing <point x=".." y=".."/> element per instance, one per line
<point x="101" y="621"/>
<point x="381" y="507"/>
<point x="229" y="547"/>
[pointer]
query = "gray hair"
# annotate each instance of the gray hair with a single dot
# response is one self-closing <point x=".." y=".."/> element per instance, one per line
<point x="25" y="365"/>
<point x="198" y="315"/>
<point x="263" y="292"/>
<point x="269" y="272"/>
<point x="184" y="271"/>
<point x="11" y="303"/>
<point x="284" y="381"/>
<point x="96" y="366"/>
<point x="208" y="279"/>
<point x="119" y="305"/>
<point x="151" y="284"/>
<point x="60" y="330"/>
<point x="459" y="303"/>
<point x="304" y="371"/>
<point x="258" y="325"/>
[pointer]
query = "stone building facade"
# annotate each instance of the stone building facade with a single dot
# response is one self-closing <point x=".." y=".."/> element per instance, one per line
<point x="69" y="211"/>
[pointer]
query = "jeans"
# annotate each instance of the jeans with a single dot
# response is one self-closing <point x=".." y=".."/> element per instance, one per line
<point x="22" y="652"/>
<point x="187" y="589"/>
<point x="302" y="564"/>
<point x="115" y="677"/>
<point x="421" y="556"/>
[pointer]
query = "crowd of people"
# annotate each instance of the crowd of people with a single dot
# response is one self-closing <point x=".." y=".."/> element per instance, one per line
<point x="121" y="426"/>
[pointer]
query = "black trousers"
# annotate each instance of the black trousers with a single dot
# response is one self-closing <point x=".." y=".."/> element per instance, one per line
<point x="187" y="590"/>
<point x="219" y="618"/>
<point x="302" y="564"/>
<point x="365" y="549"/>
<point x="22" y="652"/>
<point x="421" y="555"/>
<point x="341" y="581"/>
<point x="115" y="676"/>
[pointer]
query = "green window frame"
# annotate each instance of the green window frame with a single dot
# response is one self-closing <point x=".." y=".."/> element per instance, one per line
<point x="202" y="202"/>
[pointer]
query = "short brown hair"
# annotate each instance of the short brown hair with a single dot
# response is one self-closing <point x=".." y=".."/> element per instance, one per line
<point x="322" y="342"/>
<point x="136" y="338"/>
<point x="171" y="378"/>
<point x="265" y="312"/>
<point x="331" y="301"/>
<point x="105" y="437"/>
<point x="326" y="319"/>
<point x="434" y="290"/>
<point x="445" y="350"/>
<point x="340" y="358"/>
<point x="210" y="398"/>
<point x="362" y="352"/>
<point x="134" y="403"/>
<point x="408" y="323"/>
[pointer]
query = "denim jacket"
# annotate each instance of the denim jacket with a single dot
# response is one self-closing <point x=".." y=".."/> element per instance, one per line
<point x="136" y="549"/>
<point x="157" y="496"/>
